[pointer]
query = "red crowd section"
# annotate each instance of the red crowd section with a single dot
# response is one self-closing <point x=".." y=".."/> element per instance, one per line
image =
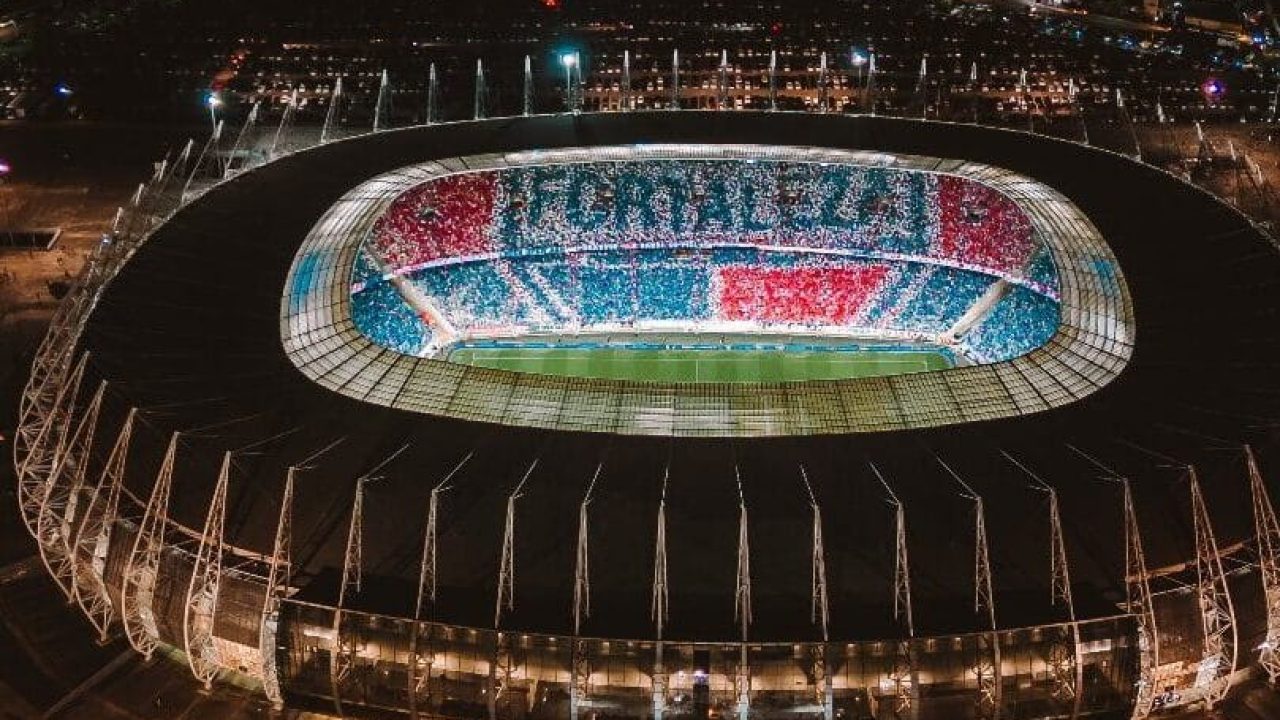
<point x="817" y="295"/>
<point x="979" y="227"/>
<point x="448" y="217"/>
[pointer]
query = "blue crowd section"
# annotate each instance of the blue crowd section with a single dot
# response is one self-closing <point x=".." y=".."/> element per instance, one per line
<point x="553" y="293"/>
<point x="1020" y="322"/>
<point x="944" y="296"/>
<point x="546" y="281"/>
<point x="384" y="317"/>
<point x="306" y="279"/>
<point x="1042" y="270"/>
<point x="364" y="271"/>
<point x="671" y="292"/>
<point x="607" y="293"/>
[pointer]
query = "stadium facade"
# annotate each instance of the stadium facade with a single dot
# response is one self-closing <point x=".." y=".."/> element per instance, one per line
<point x="215" y="456"/>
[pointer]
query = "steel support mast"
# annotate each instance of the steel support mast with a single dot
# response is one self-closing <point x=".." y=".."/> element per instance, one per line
<point x="1268" y="538"/>
<point x="1064" y="654"/>
<point x="142" y="569"/>
<point x="1140" y="603"/>
<point x="201" y="607"/>
<point x="659" y="604"/>
<point x="1064" y="661"/>
<point x="50" y="440"/>
<point x="62" y="498"/>
<point x="344" y="647"/>
<point x="742" y="607"/>
<point x="420" y="661"/>
<point x="904" y="674"/>
<point x="1217" y="614"/>
<point x="579" y="686"/>
<point x="92" y="539"/>
<point x="279" y="575"/>
<point x="986" y="667"/>
<point x="502" y="669"/>
<point x="819" y="611"/>
<point x="333" y="115"/>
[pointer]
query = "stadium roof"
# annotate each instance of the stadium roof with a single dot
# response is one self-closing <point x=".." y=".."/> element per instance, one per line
<point x="191" y="330"/>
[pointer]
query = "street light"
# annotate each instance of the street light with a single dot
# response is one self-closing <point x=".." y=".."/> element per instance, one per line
<point x="570" y="61"/>
<point x="5" y="169"/>
<point x="858" y="60"/>
<point x="214" y="102"/>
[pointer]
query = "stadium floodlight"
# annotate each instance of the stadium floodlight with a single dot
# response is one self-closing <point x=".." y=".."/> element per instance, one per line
<point x="213" y="101"/>
<point x="64" y="90"/>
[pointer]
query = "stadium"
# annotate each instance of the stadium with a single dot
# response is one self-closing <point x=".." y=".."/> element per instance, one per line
<point x="687" y="414"/>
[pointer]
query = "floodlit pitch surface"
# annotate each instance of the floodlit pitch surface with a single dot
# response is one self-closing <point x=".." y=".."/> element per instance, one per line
<point x="708" y="366"/>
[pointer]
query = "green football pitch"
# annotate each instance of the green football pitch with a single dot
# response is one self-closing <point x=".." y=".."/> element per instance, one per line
<point x="707" y="366"/>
